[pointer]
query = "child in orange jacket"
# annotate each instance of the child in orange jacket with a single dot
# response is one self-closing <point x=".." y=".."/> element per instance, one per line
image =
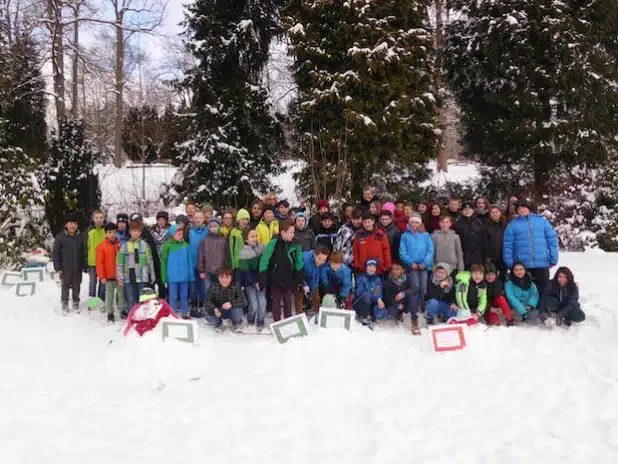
<point x="106" y="254"/>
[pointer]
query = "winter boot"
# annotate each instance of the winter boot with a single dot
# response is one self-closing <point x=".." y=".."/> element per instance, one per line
<point x="510" y="322"/>
<point x="65" y="307"/>
<point x="416" y="330"/>
<point x="111" y="318"/>
<point x="76" y="306"/>
<point x="186" y="316"/>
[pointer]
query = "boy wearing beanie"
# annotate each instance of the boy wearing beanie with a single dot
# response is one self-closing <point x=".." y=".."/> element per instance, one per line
<point x="236" y="237"/>
<point x="369" y="305"/>
<point x="70" y="258"/>
<point x="303" y="234"/>
<point x="106" y="256"/>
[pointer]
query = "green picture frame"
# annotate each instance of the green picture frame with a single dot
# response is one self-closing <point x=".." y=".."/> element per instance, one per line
<point x="179" y="329"/>
<point x="329" y="318"/>
<point x="292" y="327"/>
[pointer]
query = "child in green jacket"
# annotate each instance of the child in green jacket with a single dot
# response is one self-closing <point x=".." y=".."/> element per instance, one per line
<point x="471" y="294"/>
<point x="96" y="236"/>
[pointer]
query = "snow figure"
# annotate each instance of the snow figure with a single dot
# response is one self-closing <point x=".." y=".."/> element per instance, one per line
<point x="146" y="314"/>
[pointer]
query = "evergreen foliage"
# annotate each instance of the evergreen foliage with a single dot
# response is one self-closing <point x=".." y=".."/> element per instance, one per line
<point x="536" y="82"/>
<point x="365" y="108"/>
<point x="233" y="140"/>
<point x="67" y="177"/>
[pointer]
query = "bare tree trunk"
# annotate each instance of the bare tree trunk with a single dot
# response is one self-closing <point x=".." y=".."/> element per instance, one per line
<point x="57" y="30"/>
<point x="119" y="88"/>
<point x="442" y="157"/>
<point x="75" y="102"/>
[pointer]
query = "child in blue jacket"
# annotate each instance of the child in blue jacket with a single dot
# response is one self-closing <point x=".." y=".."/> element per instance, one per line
<point x="336" y="279"/>
<point x="313" y="262"/>
<point x="369" y="305"/>
<point x="177" y="271"/>
<point x="197" y="233"/>
<point x="416" y="253"/>
<point x="521" y="293"/>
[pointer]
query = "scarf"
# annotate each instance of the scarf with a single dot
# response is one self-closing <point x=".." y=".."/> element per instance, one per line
<point x="524" y="283"/>
<point x="436" y="282"/>
<point x="400" y="281"/>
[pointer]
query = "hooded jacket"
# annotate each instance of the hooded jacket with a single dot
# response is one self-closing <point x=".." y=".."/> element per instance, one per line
<point x="70" y="254"/>
<point x="306" y="238"/>
<point x="532" y="241"/>
<point x="401" y="220"/>
<point x="393" y="286"/>
<point x="236" y="245"/>
<point x="469" y="294"/>
<point x="249" y="264"/>
<point x="96" y="235"/>
<point x="281" y="265"/>
<point x="341" y="278"/>
<point x="416" y="248"/>
<point x="196" y="235"/>
<point x="567" y="300"/>
<point x="394" y="239"/>
<point x="267" y="231"/>
<point x="448" y="249"/>
<point x="494" y="241"/>
<point x="106" y="255"/>
<point x="311" y="271"/>
<point x="369" y="284"/>
<point x="373" y="244"/>
<point x="472" y="235"/>
<point x="177" y="265"/>
<point x="213" y="254"/>
<point x="135" y="263"/>
<point x="344" y="242"/>
<point x="521" y="293"/>
<point x="435" y="292"/>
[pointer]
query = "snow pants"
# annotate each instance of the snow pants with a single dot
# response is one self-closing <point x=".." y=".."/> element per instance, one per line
<point x="493" y="318"/>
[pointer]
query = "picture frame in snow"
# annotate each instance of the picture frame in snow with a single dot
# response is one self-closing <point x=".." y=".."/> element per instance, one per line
<point x="33" y="274"/>
<point x="24" y="289"/>
<point x="330" y="318"/>
<point x="184" y="330"/>
<point x="292" y="327"/>
<point x="10" y="279"/>
<point x="447" y="337"/>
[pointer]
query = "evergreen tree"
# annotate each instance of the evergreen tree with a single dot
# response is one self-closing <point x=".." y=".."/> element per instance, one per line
<point x="536" y="81"/>
<point x="365" y="107"/>
<point x="233" y="140"/>
<point x="68" y="177"/>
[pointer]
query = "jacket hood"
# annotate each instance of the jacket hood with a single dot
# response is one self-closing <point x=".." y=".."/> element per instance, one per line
<point x="445" y="266"/>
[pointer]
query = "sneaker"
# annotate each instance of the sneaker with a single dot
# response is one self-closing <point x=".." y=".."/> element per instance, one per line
<point x="186" y="316"/>
<point x="65" y="308"/>
<point x="124" y="314"/>
<point x="111" y="318"/>
<point x="76" y="306"/>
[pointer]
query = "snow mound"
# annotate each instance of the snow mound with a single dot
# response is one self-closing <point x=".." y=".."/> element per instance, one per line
<point x="514" y="395"/>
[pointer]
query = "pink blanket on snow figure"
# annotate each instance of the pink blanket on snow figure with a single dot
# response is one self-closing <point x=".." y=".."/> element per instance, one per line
<point x="145" y="316"/>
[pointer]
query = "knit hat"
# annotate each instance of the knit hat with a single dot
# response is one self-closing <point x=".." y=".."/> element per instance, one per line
<point x="444" y="266"/>
<point x="326" y="216"/>
<point x="163" y="215"/>
<point x="182" y="218"/>
<point x="110" y="226"/>
<point x="206" y="207"/>
<point x="71" y="217"/>
<point x="214" y="221"/>
<point x="147" y="294"/>
<point x="137" y="217"/>
<point x="323" y="204"/>
<point x="122" y="217"/>
<point x="467" y="204"/>
<point x="490" y="267"/>
<point x="268" y="208"/>
<point x="389" y="206"/>
<point x="416" y="217"/>
<point x="372" y="262"/>
<point x="524" y="203"/>
<point x="301" y="214"/>
<point x="242" y="214"/>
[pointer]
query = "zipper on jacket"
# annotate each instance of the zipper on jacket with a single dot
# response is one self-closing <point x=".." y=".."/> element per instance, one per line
<point x="531" y="243"/>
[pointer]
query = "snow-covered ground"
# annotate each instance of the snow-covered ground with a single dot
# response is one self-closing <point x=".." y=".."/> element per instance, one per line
<point x="515" y="395"/>
<point x="123" y="189"/>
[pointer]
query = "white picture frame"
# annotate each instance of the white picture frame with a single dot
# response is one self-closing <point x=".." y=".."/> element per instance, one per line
<point x="447" y="337"/>
<point x="330" y="318"/>
<point x="33" y="274"/>
<point x="291" y="327"/>
<point x="10" y="279"/>
<point x="184" y="330"/>
<point x="25" y="289"/>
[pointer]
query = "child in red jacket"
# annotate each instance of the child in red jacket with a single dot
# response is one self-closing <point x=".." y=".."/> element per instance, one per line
<point x="371" y="243"/>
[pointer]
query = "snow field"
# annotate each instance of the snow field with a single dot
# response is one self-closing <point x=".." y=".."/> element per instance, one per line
<point x="514" y="395"/>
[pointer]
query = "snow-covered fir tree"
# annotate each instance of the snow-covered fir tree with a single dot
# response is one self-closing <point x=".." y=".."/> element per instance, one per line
<point x="234" y="139"/>
<point x="536" y="81"/>
<point x="366" y="97"/>
<point x="22" y="145"/>
<point x="68" y="178"/>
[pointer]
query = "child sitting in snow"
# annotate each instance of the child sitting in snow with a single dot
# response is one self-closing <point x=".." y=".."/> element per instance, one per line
<point x="400" y="297"/>
<point x="336" y="279"/>
<point x="495" y="297"/>
<point x="440" y="297"/>
<point x="561" y="299"/>
<point x="471" y="295"/>
<point x="369" y="304"/>
<point x="146" y="314"/>
<point x="225" y="300"/>
<point x="521" y="293"/>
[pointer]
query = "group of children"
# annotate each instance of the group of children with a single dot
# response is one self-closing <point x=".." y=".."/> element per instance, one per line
<point x="381" y="262"/>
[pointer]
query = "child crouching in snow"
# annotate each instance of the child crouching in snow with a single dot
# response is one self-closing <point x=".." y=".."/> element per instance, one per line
<point x="522" y="294"/>
<point x="561" y="299"/>
<point x="369" y="304"/>
<point x="495" y="297"/>
<point x="146" y="314"/>
<point x="471" y="295"/>
<point x="400" y="297"/>
<point x="336" y="279"/>
<point x="440" y="297"/>
<point x="225" y="300"/>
